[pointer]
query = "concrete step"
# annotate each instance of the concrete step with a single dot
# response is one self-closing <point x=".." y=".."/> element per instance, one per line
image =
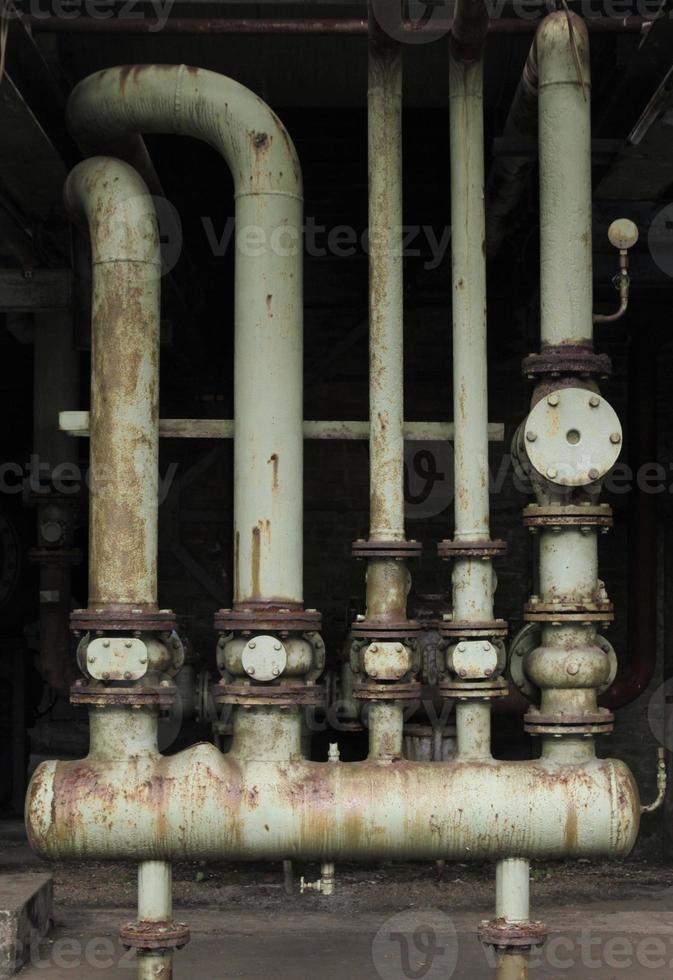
<point x="26" y="912"/>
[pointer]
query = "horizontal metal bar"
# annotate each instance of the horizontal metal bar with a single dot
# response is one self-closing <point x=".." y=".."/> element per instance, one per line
<point x="77" y="424"/>
<point x="353" y="27"/>
<point x="44" y="290"/>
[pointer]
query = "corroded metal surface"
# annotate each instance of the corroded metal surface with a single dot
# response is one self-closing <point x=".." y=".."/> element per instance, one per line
<point x="486" y="548"/>
<point x="573" y="359"/>
<point x="154" y="935"/>
<point x="267" y="616"/>
<point x="200" y="805"/>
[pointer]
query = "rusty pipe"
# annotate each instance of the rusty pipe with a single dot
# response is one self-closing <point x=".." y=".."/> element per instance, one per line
<point x="201" y="805"/>
<point x="434" y="29"/>
<point x="110" y="109"/>
<point x="110" y="200"/>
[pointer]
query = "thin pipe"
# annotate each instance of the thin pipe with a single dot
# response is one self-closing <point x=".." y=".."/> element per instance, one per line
<point x="386" y="725"/>
<point x="300" y="27"/>
<point x="473" y="730"/>
<point x="155" y="904"/>
<point x="472" y="578"/>
<point x="108" y="198"/>
<point x="386" y="322"/>
<point x="111" y="109"/>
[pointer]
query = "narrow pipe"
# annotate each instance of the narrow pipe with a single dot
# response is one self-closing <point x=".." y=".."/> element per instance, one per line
<point x="386" y="724"/>
<point x="512" y="890"/>
<point x="564" y="134"/>
<point x="470" y="398"/>
<point x="473" y="730"/>
<point x="386" y="322"/>
<point x="111" y="109"/>
<point x="155" y="904"/>
<point x="111" y="201"/>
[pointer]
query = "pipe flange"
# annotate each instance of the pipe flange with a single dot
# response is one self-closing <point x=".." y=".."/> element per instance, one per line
<point x="109" y="697"/>
<point x="448" y="549"/>
<point x="495" y="687"/>
<point x="115" y="619"/>
<point x="259" y="617"/>
<point x="567" y="359"/>
<point x="278" y="695"/>
<point x="570" y="515"/>
<point x="373" y="630"/>
<point x="58" y="557"/>
<point x="512" y="935"/>
<point x="590" y="723"/>
<point x="154" y="935"/>
<point x="369" y="691"/>
<point x="386" y="549"/>
<point x="484" y="629"/>
<point x="568" y="612"/>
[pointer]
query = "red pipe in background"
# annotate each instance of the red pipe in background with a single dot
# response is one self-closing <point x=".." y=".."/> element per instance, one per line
<point x="641" y="654"/>
<point x="300" y="26"/>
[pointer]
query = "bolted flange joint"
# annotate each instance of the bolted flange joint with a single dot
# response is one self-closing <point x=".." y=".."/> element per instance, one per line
<point x="146" y="936"/>
<point x="504" y="935"/>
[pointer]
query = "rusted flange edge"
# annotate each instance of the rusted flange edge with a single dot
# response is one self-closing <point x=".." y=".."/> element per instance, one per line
<point x="474" y="630"/>
<point x="112" y="620"/>
<point x="106" y="697"/>
<point x="274" y="618"/>
<point x="386" y="549"/>
<point x="404" y="629"/>
<point x="572" y="612"/>
<point x="459" y="690"/>
<point x="281" y="695"/>
<point x="369" y="691"/>
<point x="512" y="935"/>
<point x="567" y="516"/>
<point x="154" y="935"/>
<point x="487" y="548"/>
<point x="588" y="723"/>
<point x="567" y="359"/>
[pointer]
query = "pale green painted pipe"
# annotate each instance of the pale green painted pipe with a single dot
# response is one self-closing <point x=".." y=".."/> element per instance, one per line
<point x="512" y="889"/>
<point x="568" y="566"/>
<point x="564" y="134"/>
<point x="386" y="316"/>
<point x="201" y="805"/>
<point x="155" y="904"/>
<point x="110" y="200"/>
<point x="111" y="108"/>
<point x="472" y="578"/>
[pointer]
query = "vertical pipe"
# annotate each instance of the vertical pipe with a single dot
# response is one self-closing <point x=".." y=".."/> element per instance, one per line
<point x="512" y="890"/>
<point x="111" y="199"/>
<point x="386" y="378"/>
<point x="472" y="578"/>
<point x="155" y="905"/>
<point x="564" y="132"/>
<point x="386" y="724"/>
<point x="473" y="730"/>
<point x="269" y="407"/>
<point x="386" y="577"/>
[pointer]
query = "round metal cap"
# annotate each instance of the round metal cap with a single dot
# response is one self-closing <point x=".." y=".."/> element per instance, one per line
<point x="573" y="437"/>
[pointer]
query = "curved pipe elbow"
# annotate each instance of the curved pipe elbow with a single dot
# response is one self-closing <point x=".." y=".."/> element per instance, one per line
<point x="110" y="109"/>
<point x="202" y="805"/>
<point x="107" y="198"/>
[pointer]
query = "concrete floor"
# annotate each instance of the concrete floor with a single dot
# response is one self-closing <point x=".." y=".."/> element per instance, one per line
<point x="386" y="922"/>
